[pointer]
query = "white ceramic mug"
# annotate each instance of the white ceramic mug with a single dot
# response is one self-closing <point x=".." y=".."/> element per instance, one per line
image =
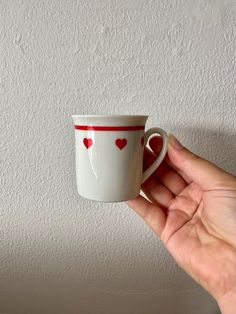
<point x="109" y="156"/>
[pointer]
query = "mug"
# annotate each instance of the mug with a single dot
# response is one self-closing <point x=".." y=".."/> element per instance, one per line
<point x="109" y="155"/>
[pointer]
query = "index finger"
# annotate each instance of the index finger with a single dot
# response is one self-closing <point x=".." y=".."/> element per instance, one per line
<point x="155" y="145"/>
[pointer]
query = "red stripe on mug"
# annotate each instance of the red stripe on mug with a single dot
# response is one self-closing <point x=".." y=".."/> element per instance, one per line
<point x="109" y="128"/>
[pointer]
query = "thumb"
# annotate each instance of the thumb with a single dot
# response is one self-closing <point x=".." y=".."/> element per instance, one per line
<point x="203" y="172"/>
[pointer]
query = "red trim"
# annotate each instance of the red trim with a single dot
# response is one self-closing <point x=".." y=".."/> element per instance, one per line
<point x="109" y="128"/>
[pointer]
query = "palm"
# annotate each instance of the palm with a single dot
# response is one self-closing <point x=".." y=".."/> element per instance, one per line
<point x="194" y="237"/>
<point x="197" y="225"/>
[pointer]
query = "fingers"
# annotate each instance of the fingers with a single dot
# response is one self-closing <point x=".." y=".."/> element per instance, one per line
<point x="152" y="214"/>
<point x="157" y="192"/>
<point x="165" y="174"/>
<point x="201" y="171"/>
<point x="156" y="144"/>
<point x="180" y="172"/>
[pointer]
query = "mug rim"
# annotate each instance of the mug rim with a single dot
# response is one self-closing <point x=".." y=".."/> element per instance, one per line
<point x="108" y="116"/>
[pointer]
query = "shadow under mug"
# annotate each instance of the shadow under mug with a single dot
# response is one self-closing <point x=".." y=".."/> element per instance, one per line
<point x="109" y="155"/>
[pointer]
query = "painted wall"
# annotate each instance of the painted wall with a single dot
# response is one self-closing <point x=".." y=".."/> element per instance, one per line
<point x="173" y="60"/>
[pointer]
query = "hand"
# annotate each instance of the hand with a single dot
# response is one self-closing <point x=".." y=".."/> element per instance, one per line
<point x="192" y="208"/>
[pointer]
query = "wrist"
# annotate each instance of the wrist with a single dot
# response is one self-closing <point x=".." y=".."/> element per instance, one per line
<point x="227" y="303"/>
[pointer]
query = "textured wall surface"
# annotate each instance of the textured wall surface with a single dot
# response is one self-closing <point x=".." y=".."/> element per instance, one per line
<point x="173" y="60"/>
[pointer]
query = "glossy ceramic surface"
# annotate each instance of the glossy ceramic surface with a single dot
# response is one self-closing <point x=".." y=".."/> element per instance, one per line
<point x="109" y="156"/>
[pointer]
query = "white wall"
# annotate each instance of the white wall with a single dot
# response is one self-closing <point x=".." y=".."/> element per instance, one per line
<point x="173" y="60"/>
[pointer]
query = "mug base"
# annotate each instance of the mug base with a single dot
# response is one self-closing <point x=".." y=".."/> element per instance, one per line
<point x="109" y="200"/>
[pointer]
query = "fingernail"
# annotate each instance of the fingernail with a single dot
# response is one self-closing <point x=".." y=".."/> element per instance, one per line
<point x="173" y="142"/>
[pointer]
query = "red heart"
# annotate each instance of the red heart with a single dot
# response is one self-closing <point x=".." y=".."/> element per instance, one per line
<point x="121" y="142"/>
<point x="87" y="142"/>
<point x="142" y="141"/>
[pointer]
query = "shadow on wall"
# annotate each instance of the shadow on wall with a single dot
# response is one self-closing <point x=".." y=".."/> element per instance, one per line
<point x="216" y="145"/>
<point x="103" y="278"/>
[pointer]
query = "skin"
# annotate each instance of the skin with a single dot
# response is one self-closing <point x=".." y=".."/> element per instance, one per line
<point x="191" y="206"/>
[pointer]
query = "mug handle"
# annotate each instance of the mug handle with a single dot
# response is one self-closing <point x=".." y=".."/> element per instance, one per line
<point x="162" y="154"/>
